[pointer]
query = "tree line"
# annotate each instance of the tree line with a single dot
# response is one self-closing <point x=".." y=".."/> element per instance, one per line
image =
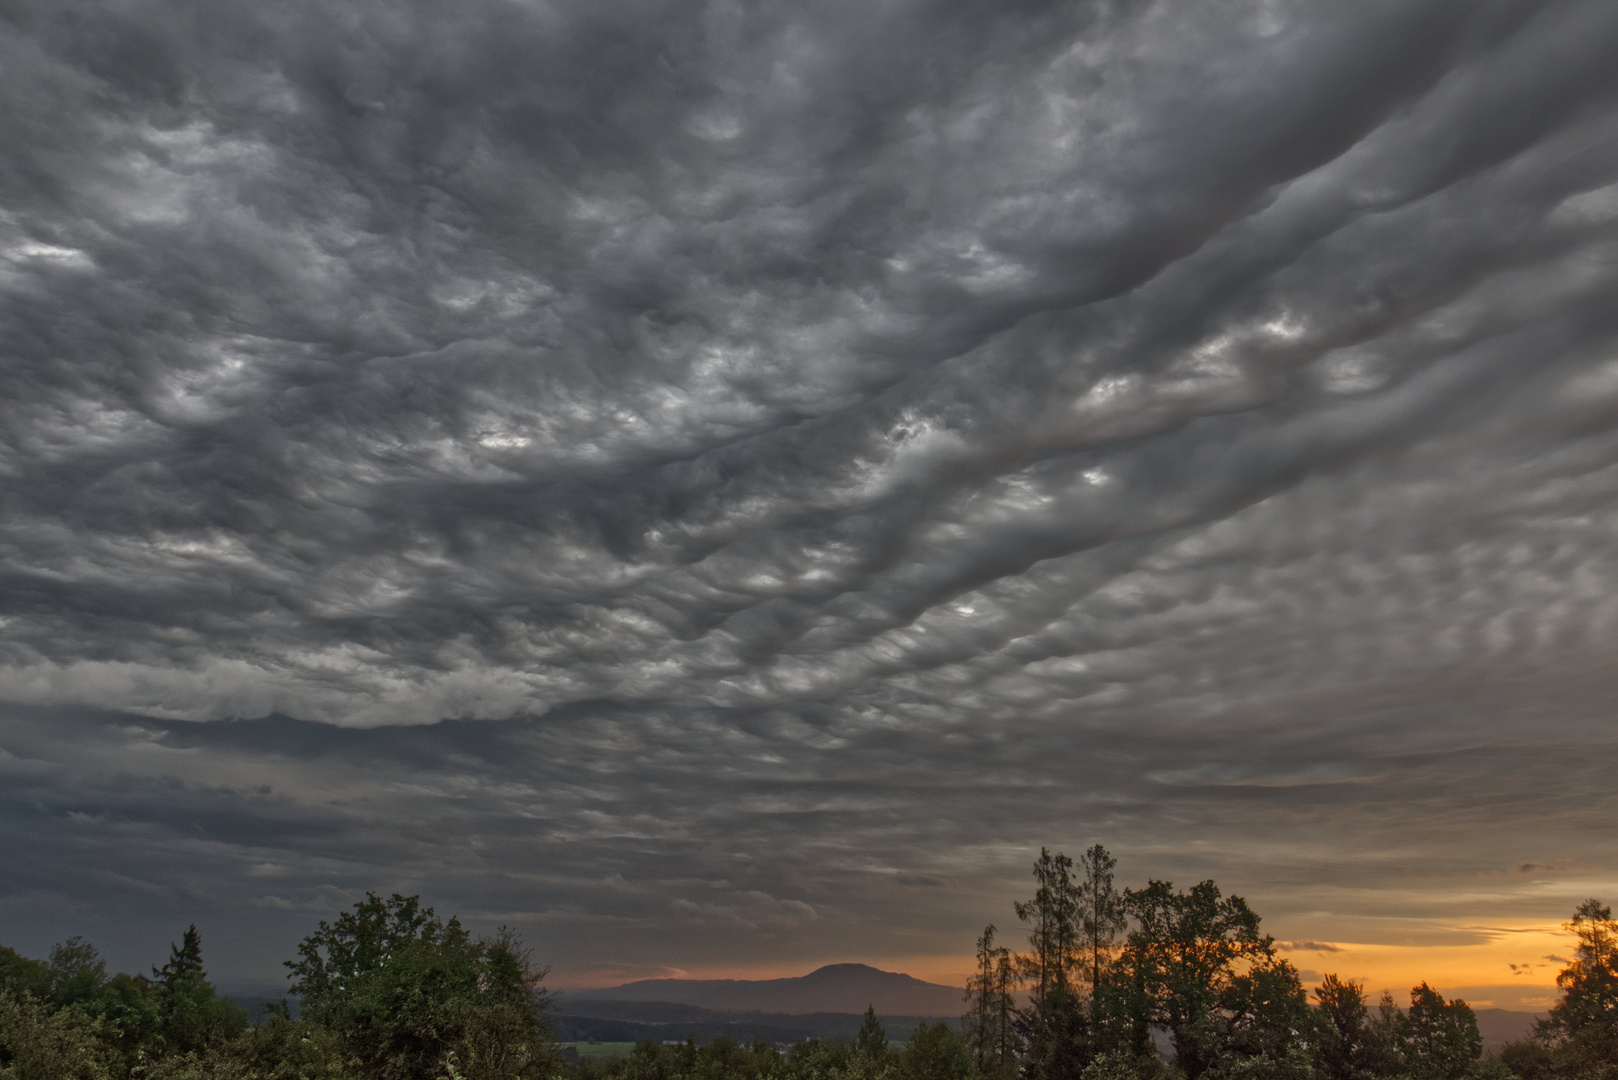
<point x="388" y="991"/>
<point x="1164" y="984"/>
<point x="1147" y="984"/>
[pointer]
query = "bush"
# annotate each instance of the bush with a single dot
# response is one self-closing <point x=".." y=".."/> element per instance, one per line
<point x="37" y="1043"/>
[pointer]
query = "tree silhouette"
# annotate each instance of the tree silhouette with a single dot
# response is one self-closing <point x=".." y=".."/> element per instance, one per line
<point x="1589" y="984"/>
<point x="872" y="1041"/>
<point x="991" y="1035"/>
<point x="1340" y="1037"/>
<point x="1441" y="1038"/>
<point x="1181" y="956"/>
<point x="1102" y="917"/>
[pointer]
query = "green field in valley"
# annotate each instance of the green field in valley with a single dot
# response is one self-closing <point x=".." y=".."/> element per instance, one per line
<point x="600" y="1049"/>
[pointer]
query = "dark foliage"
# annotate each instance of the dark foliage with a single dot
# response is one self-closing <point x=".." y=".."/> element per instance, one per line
<point x="391" y="992"/>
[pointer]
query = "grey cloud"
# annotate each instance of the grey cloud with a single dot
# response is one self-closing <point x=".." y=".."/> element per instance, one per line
<point x="829" y="449"/>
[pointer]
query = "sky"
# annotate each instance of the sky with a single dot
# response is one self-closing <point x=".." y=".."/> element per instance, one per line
<point x="717" y="486"/>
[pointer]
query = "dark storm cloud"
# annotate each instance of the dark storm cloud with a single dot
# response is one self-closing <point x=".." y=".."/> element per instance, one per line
<point x="858" y="440"/>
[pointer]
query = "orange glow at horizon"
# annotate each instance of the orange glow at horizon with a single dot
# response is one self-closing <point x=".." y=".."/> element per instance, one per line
<point x="1481" y="972"/>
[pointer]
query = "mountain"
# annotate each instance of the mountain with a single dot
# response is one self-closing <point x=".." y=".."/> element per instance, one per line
<point x="835" y="988"/>
<point x="1500" y="1026"/>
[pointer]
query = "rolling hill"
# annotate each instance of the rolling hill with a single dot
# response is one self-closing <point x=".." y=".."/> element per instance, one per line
<point x="835" y="988"/>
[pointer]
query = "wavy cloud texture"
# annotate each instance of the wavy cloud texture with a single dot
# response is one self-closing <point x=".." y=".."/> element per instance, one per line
<point x="862" y="440"/>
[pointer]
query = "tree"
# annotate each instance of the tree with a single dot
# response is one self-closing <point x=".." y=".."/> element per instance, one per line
<point x="1384" y="1045"/>
<point x="191" y="1014"/>
<point x="126" y="1006"/>
<point x="936" y="1052"/>
<point x="1265" y="1013"/>
<point x="21" y="976"/>
<point x="1102" y="917"/>
<point x="1054" y="1027"/>
<point x="403" y="990"/>
<point x="1441" y="1039"/>
<point x="1340" y="1036"/>
<point x="41" y="1043"/>
<point x="77" y="972"/>
<point x="1580" y="1037"/>
<point x="1589" y="983"/>
<point x="991" y="1037"/>
<point x="1053" y="937"/>
<point x="872" y="1041"/>
<point x="1179" y="961"/>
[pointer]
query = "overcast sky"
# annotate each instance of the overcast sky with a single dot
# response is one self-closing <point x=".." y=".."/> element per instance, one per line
<point x="717" y="485"/>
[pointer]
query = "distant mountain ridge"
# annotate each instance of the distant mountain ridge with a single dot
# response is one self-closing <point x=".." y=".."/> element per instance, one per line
<point x="1500" y="1026"/>
<point x="835" y="988"/>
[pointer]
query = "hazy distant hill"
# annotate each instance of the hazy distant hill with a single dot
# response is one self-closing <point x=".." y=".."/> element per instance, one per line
<point x="1500" y="1026"/>
<point x="836" y="988"/>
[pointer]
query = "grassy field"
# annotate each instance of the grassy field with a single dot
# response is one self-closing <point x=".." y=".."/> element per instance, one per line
<point x="589" y="1050"/>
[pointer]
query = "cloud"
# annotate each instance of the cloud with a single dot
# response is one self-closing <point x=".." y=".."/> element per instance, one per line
<point x="1308" y="946"/>
<point x="752" y="910"/>
<point x="827" y="449"/>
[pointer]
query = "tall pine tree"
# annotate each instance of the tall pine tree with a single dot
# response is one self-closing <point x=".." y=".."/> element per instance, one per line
<point x="1054" y="1026"/>
<point x="991" y="1034"/>
<point x="1102" y="918"/>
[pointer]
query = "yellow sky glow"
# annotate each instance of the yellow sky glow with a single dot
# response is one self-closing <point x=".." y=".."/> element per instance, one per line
<point x="1481" y="971"/>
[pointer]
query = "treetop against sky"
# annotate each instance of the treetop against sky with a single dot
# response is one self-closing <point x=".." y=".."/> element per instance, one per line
<point x="719" y="486"/>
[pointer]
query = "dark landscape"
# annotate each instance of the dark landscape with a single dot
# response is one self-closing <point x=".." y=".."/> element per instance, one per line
<point x="1147" y="984"/>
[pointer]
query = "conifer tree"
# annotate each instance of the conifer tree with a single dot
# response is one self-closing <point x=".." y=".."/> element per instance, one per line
<point x="191" y="1014"/>
<point x="1102" y="917"/>
<point x="1053" y="935"/>
<point x="1589" y="983"/>
<point x="991" y="1036"/>
<point x="1580" y="1037"/>
<point x="872" y="1040"/>
<point x="1054" y="1027"/>
<point x="184" y="967"/>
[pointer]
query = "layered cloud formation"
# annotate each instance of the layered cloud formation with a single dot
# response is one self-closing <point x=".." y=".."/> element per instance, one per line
<point x="834" y="447"/>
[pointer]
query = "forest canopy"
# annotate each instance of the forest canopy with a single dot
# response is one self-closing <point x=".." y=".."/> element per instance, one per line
<point x="1154" y="983"/>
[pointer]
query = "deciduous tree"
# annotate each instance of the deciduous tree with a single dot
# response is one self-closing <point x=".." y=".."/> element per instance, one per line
<point x="1180" y="958"/>
<point x="403" y="990"/>
<point x="1441" y="1039"/>
<point x="1340" y="1036"/>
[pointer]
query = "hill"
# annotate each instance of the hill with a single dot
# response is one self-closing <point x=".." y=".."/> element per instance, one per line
<point x="835" y="988"/>
<point x="1500" y="1026"/>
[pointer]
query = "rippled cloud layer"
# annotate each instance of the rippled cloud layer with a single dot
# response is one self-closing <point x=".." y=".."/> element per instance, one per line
<point x="815" y="453"/>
